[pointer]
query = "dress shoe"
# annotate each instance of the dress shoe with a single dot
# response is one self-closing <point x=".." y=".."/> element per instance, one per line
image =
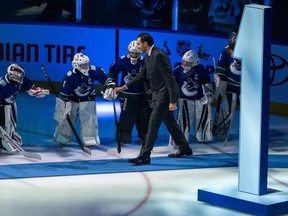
<point x="140" y="161"/>
<point x="133" y="160"/>
<point x="183" y="152"/>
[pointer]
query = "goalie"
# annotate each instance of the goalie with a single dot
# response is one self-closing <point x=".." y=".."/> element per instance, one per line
<point x="77" y="99"/>
<point x="196" y="95"/>
<point x="14" y="81"/>
<point x="227" y="80"/>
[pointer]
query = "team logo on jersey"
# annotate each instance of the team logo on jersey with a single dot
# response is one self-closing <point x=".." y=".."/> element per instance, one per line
<point x="83" y="90"/>
<point x="189" y="88"/>
<point x="235" y="67"/>
<point x="130" y="76"/>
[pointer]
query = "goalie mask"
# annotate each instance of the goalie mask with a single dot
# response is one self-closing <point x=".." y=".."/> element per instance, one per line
<point x="189" y="60"/>
<point x="16" y="73"/>
<point x="81" y="63"/>
<point x="133" y="52"/>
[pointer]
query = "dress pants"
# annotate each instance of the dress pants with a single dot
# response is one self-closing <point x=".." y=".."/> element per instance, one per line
<point x="161" y="113"/>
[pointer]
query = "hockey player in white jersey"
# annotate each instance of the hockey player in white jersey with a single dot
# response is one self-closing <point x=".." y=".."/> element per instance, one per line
<point x="227" y="80"/>
<point x="77" y="99"/>
<point x="14" y="81"/>
<point x="196" y="95"/>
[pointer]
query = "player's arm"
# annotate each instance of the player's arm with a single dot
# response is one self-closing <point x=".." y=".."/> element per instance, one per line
<point x="32" y="90"/>
<point x="220" y="77"/>
<point x="115" y="69"/>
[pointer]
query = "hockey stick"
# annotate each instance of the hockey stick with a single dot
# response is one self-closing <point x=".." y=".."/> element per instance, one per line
<point x="117" y="125"/>
<point x="6" y="136"/>
<point x="114" y="151"/>
<point x="84" y="148"/>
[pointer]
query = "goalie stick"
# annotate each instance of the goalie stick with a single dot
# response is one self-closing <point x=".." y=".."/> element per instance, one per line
<point x="5" y="135"/>
<point x="117" y="125"/>
<point x="84" y="148"/>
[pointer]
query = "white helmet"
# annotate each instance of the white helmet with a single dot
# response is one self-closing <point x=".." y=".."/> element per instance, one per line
<point x="192" y="57"/>
<point x="133" y="50"/>
<point x="81" y="63"/>
<point x="16" y="73"/>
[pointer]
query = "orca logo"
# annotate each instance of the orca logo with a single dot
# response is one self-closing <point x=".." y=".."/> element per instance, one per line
<point x="130" y="76"/>
<point x="82" y="90"/>
<point x="189" y="88"/>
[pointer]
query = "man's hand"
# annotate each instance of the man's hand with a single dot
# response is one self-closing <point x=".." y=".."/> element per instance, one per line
<point x="120" y="89"/>
<point x="172" y="106"/>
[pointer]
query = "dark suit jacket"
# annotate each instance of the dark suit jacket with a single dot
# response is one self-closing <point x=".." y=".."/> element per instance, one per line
<point x="157" y="70"/>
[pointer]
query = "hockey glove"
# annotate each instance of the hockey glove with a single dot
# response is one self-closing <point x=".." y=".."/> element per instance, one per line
<point x="38" y="92"/>
<point x="109" y="92"/>
<point x="206" y="99"/>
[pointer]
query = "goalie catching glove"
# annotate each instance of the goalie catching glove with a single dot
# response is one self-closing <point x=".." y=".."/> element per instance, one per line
<point x="62" y="109"/>
<point x="108" y="93"/>
<point x="38" y="92"/>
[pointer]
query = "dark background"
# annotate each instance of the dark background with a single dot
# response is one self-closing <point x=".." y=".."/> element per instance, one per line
<point x="128" y="13"/>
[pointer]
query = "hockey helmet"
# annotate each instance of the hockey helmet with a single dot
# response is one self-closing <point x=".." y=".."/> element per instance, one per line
<point x="16" y="73"/>
<point x="81" y="63"/>
<point x="232" y="39"/>
<point x="189" y="60"/>
<point x="133" y="52"/>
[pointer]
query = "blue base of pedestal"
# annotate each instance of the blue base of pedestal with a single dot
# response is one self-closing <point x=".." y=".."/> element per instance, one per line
<point x="273" y="203"/>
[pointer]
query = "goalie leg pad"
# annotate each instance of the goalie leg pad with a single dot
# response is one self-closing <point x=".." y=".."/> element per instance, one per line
<point x="5" y="146"/>
<point x="63" y="131"/>
<point x="11" y="122"/>
<point x="203" y="122"/>
<point x="219" y="86"/>
<point x="9" y="114"/>
<point x="185" y="116"/>
<point x="224" y="115"/>
<point x="89" y="123"/>
<point x="62" y="108"/>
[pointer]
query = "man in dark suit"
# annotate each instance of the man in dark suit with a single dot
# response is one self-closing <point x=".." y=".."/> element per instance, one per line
<point x="157" y="71"/>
